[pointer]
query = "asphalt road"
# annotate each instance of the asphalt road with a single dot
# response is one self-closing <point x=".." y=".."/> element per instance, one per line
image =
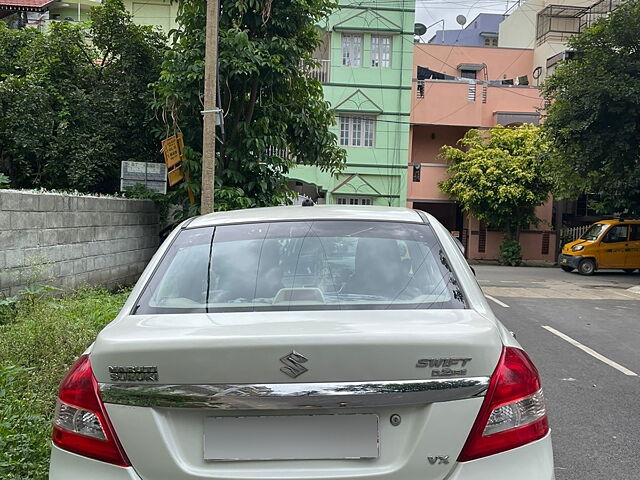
<point x="593" y="403"/>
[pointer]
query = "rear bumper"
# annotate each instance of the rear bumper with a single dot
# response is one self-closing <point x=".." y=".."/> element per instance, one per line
<point x="69" y="466"/>
<point x="533" y="461"/>
<point x="569" y="260"/>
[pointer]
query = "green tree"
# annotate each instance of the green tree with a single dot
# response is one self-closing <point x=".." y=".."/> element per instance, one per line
<point x="275" y="116"/>
<point x="72" y="110"/>
<point x="499" y="177"/>
<point x="593" y="120"/>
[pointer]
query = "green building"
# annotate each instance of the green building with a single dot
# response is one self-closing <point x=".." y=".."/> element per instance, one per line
<point x="145" y="12"/>
<point x="366" y="68"/>
<point x="37" y="13"/>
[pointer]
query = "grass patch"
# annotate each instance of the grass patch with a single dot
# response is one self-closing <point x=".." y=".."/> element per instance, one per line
<point x="40" y="337"/>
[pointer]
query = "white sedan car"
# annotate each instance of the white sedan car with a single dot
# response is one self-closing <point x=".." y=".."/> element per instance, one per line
<point x="321" y="342"/>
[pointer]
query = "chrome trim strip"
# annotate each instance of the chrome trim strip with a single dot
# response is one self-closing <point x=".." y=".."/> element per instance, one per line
<point x="283" y="396"/>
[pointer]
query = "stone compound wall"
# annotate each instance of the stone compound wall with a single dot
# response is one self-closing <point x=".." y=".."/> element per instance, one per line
<point x="71" y="241"/>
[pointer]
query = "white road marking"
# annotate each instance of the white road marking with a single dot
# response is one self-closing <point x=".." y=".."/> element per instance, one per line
<point x="502" y="304"/>
<point x="590" y="351"/>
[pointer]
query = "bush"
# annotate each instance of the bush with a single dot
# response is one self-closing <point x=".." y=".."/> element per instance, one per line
<point x="5" y="182"/>
<point x="8" y="306"/>
<point x="24" y="434"/>
<point x="510" y="253"/>
<point x="37" y="347"/>
<point x="91" y="82"/>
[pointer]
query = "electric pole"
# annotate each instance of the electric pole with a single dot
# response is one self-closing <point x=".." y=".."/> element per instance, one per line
<point x="210" y="112"/>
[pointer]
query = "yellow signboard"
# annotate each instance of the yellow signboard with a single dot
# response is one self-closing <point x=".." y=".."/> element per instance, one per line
<point x="175" y="176"/>
<point x="172" y="148"/>
<point x="180" y="143"/>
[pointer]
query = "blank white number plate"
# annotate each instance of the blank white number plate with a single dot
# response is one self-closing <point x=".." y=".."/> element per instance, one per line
<point x="295" y="437"/>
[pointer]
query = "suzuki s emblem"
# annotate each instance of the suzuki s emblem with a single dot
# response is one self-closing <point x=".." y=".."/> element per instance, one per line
<point x="293" y="362"/>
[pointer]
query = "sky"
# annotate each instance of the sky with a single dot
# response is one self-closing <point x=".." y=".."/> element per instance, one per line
<point x="431" y="11"/>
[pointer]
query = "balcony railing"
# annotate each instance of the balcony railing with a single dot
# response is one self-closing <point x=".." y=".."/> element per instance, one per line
<point x="472" y="88"/>
<point x="475" y="104"/>
<point x="598" y="10"/>
<point x="278" y="152"/>
<point x="560" y="22"/>
<point x="321" y="71"/>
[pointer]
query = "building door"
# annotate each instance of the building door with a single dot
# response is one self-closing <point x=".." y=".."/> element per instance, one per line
<point x="449" y="214"/>
<point x="445" y="212"/>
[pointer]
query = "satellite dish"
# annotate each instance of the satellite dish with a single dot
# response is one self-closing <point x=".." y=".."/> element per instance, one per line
<point x="419" y="29"/>
<point x="461" y="19"/>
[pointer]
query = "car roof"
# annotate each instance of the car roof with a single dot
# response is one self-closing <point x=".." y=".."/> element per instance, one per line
<point x="619" y="222"/>
<point x="300" y="213"/>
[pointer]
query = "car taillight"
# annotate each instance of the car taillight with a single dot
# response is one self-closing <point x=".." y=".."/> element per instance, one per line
<point x="513" y="412"/>
<point x="81" y="424"/>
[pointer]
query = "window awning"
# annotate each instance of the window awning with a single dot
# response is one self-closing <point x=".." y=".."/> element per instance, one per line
<point x="560" y="57"/>
<point x="25" y="5"/>
<point x="510" y="118"/>
<point x="471" y="66"/>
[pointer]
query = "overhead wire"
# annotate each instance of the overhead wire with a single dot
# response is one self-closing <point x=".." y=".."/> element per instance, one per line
<point x="423" y="4"/>
<point x="445" y="62"/>
<point x="354" y="84"/>
<point x="398" y="128"/>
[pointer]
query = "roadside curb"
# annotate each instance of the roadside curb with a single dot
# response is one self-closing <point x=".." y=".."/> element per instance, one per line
<point x="525" y="263"/>
<point x="635" y="289"/>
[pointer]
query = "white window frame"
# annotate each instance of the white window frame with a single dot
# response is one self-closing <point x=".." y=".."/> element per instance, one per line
<point x="381" y="51"/>
<point x="353" y="200"/>
<point x="352" y="44"/>
<point x="357" y="131"/>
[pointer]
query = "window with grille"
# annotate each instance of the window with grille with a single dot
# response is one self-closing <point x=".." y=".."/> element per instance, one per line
<point x="491" y="41"/>
<point x="545" y="243"/>
<point x="416" y="173"/>
<point x="584" y="205"/>
<point x="351" y="50"/>
<point x="468" y="74"/>
<point x="380" y="51"/>
<point x="349" y="200"/>
<point x="357" y="131"/>
<point x="482" y="238"/>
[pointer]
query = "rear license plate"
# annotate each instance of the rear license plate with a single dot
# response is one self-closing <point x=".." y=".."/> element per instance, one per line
<point x="296" y="437"/>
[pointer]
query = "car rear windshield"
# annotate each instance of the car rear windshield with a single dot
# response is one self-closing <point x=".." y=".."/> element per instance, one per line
<point x="302" y="266"/>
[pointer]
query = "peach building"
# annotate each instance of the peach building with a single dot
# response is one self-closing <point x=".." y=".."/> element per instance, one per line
<point x="458" y="88"/>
